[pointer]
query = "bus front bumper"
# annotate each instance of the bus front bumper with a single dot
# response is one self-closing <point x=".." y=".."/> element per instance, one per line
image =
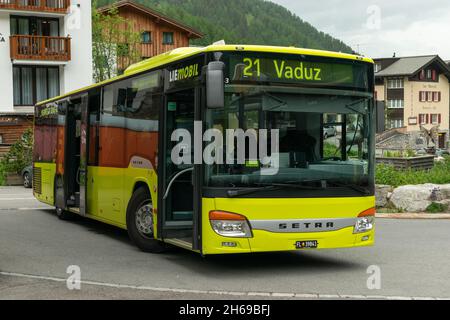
<point x="264" y="241"/>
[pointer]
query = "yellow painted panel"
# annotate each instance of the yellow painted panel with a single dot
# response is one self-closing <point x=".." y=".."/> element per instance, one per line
<point x="110" y="191"/>
<point x="276" y="209"/>
<point x="48" y="171"/>
<point x="287" y="208"/>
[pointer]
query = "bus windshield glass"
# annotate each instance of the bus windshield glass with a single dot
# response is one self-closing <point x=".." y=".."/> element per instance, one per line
<point x="324" y="139"/>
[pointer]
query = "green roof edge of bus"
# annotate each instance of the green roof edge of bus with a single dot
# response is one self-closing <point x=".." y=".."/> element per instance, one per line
<point x="186" y="52"/>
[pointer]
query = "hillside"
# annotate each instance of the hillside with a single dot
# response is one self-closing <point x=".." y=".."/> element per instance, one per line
<point x="244" y="21"/>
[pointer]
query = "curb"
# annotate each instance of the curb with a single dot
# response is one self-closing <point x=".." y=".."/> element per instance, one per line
<point x="418" y="216"/>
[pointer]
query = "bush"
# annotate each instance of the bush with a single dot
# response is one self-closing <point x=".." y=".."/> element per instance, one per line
<point x="439" y="174"/>
<point x="2" y="174"/>
<point x="19" y="156"/>
<point x="436" y="208"/>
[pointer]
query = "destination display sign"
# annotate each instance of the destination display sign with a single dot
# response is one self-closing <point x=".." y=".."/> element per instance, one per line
<point x="299" y="70"/>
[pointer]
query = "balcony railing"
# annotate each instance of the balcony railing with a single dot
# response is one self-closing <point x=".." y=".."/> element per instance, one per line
<point x="24" y="47"/>
<point x="57" y="6"/>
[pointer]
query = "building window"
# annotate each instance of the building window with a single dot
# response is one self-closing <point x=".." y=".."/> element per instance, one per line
<point x="377" y="67"/>
<point x="34" y="84"/>
<point x="435" y="118"/>
<point x="167" y="37"/>
<point x="39" y="26"/>
<point x="436" y="96"/>
<point x="396" y="123"/>
<point x="395" y="84"/>
<point x="429" y="74"/>
<point x="1" y="139"/>
<point x="429" y="96"/>
<point x="423" y="118"/>
<point x="422" y="96"/>
<point x="396" y="104"/>
<point x="146" y="37"/>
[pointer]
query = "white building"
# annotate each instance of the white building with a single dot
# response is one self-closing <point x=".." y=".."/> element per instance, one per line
<point x="45" y="51"/>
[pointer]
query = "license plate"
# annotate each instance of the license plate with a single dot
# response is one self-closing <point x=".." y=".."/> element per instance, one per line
<point x="308" y="244"/>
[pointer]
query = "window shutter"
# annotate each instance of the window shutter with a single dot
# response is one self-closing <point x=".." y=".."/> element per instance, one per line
<point x="433" y="75"/>
<point x="422" y="75"/>
<point x="439" y="96"/>
<point x="420" y="96"/>
<point x="427" y="118"/>
<point x="439" y="118"/>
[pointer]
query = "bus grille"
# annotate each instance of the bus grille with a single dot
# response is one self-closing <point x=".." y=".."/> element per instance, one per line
<point x="37" y="180"/>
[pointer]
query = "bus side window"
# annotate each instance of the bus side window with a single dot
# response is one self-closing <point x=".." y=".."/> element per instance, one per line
<point x="108" y="99"/>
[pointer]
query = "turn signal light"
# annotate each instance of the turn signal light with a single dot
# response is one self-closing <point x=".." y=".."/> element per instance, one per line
<point x="229" y="224"/>
<point x="367" y="213"/>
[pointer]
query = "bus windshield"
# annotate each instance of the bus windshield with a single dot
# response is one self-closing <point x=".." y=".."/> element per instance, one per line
<point x="324" y="139"/>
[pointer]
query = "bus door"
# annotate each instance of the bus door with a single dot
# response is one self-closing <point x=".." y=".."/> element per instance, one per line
<point x="179" y="186"/>
<point x="76" y="154"/>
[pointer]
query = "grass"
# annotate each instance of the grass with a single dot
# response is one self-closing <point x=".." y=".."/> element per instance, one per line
<point x="331" y="150"/>
<point x="439" y="174"/>
<point x="436" y="208"/>
<point x="2" y="174"/>
<point x="389" y="210"/>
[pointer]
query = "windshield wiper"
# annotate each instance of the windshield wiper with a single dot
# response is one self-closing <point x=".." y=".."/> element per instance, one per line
<point x="276" y="186"/>
<point x="246" y="191"/>
<point x="351" y="186"/>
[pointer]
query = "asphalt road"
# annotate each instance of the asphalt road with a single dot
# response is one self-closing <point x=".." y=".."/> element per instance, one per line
<point x="36" y="249"/>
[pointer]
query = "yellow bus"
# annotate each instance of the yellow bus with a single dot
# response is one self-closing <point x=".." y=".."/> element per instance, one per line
<point x="105" y="151"/>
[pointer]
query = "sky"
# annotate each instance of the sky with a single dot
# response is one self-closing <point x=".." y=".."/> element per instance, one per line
<point x="378" y="28"/>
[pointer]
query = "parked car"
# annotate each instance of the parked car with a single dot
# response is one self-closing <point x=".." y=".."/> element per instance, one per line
<point x="27" y="175"/>
<point x="329" y="131"/>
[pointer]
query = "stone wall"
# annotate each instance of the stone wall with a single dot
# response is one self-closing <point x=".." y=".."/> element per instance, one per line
<point x="412" y="198"/>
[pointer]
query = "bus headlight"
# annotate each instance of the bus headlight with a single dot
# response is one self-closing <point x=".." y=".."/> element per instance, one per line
<point x="229" y="224"/>
<point x="365" y="221"/>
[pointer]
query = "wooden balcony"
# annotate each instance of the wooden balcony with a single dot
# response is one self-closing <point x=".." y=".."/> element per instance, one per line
<point x="55" y="6"/>
<point x="24" y="47"/>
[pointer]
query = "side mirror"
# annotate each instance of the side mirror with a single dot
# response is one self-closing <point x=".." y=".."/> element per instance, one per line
<point x="215" y="90"/>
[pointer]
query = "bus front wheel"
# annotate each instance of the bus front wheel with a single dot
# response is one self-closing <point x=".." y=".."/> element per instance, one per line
<point x="140" y="222"/>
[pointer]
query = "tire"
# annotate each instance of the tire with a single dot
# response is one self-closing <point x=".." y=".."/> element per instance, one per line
<point x="140" y="222"/>
<point x="27" y="180"/>
<point x="65" y="215"/>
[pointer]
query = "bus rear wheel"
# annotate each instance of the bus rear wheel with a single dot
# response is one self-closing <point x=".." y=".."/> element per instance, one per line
<point x="140" y="222"/>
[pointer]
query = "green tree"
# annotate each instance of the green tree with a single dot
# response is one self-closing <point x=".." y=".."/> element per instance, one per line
<point x="115" y="43"/>
<point x="244" y="22"/>
<point x="20" y="155"/>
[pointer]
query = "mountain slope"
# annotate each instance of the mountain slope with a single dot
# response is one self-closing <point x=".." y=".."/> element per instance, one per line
<point x="246" y="22"/>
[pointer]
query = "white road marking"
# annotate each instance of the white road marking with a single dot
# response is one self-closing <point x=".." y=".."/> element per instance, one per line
<point x="26" y="209"/>
<point x="248" y="294"/>
<point x="12" y="199"/>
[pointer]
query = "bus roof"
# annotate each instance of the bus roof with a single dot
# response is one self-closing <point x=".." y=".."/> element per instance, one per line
<point x="182" y="53"/>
